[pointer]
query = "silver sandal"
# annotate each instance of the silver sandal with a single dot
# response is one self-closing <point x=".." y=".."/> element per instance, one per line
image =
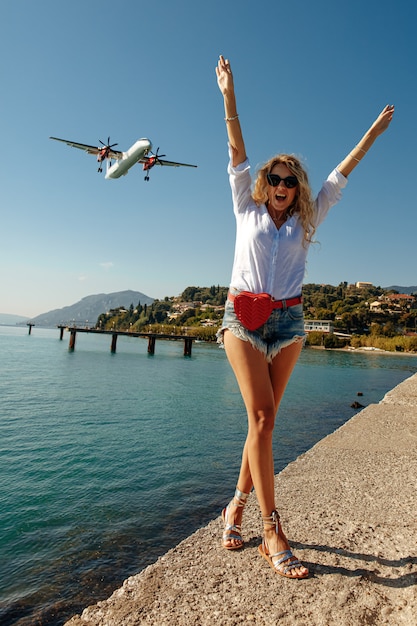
<point x="283" y="563"/>
<point x="232" y="532"/>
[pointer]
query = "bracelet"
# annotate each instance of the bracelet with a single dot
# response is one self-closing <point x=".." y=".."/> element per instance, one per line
<point x="361" y="149"/>
<point x="230" y="119"/>
<point x="354" y="158"/>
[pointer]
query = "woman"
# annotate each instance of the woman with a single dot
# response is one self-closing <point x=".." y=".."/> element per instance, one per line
<point x="275" y="225"/>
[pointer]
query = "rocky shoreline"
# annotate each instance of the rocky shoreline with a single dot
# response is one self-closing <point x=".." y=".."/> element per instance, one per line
<point x="348" y="506"/>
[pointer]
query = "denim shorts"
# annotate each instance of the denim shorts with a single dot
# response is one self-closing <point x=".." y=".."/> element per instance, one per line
<point x="283" y="327"/>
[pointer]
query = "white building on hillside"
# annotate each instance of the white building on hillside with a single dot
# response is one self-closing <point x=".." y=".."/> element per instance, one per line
<point x="322" y="326"/>
<point x="363" y="285"/>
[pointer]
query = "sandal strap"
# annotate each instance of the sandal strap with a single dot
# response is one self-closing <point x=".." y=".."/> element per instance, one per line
<point x="240" y="497"/>
<point x="272" y="520"/>
<point x="232" y="530"/>
<point x="286" y="556"/>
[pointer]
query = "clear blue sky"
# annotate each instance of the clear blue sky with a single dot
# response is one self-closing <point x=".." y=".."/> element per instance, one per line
<point x="310" y="79"/>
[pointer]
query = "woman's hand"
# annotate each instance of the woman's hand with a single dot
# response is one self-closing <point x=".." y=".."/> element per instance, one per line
<point x="224" y="76"/>
<point x="383" y="120"/>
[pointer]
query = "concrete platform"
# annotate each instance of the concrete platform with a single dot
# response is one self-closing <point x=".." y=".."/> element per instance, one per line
<point x="349" y="509"/>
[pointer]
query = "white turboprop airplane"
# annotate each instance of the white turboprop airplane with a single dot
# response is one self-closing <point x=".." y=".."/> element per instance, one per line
<point x="140" y="152"/>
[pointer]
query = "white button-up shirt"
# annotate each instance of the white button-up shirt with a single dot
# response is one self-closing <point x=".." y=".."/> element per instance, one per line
<point x="267" y="259"/>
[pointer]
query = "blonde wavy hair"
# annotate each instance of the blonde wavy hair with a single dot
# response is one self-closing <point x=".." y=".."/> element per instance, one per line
<point x="303" y="203"/>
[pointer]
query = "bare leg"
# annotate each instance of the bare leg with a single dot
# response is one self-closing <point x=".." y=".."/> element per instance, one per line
<point x="262" y="386"/>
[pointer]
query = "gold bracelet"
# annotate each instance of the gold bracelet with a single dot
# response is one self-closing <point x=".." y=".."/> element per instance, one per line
<point x="354" y="158"/>
<point x="230" y="119"/>
<point x="361" y="149"/>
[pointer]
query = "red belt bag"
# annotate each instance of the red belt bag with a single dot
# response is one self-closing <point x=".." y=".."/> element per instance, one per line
<point x="253" y="309"/>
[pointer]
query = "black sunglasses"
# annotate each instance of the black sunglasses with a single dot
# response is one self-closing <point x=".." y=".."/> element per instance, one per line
<point x="289" y="181"/>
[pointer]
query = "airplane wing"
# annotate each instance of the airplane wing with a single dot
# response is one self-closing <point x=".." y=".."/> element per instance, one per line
<point x="113" y="154"/>
<point x="159" y="161"/>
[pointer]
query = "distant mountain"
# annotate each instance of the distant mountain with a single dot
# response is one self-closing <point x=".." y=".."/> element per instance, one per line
<point x="87" y="310"/>
<point x="408" y="290"/>
<point x="10" y="320"/>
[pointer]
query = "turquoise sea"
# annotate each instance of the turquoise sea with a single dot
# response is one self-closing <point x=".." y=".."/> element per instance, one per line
<point x="108" y="460"/>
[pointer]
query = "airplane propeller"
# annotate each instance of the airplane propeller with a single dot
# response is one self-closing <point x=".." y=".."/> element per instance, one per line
<point x="107" y="145"/>
<point x="104" y="152"/>
<point x="158" y="156"/>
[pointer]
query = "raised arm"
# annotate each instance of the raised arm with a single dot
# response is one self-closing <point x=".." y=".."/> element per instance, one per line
<point x="356" y="155"/>
<point x="234" y="131"/>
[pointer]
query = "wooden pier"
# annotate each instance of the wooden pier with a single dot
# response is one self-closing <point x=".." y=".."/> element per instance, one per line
<point x="152" y="337"/>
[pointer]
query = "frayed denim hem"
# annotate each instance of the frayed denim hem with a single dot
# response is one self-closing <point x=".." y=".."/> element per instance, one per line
<point x="236" y="330"/>
<point x="276" y="347"/>
<point x="269" y="352"/>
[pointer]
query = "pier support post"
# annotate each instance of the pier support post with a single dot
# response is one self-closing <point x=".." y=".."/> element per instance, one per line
<point x="61" y="332"/>
<point x="73" y="335"/>
<point x="188" y="342"/>
<point x="151" y="345"/>
<point x="30" y="327"/>
<point x="113" y="343"/>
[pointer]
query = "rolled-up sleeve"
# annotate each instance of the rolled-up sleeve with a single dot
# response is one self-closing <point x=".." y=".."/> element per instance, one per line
<point x="240" y="184"/>
<point x="329" y="194"/>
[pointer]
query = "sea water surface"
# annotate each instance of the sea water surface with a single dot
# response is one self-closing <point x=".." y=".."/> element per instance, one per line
<point x="109" y="460"/>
